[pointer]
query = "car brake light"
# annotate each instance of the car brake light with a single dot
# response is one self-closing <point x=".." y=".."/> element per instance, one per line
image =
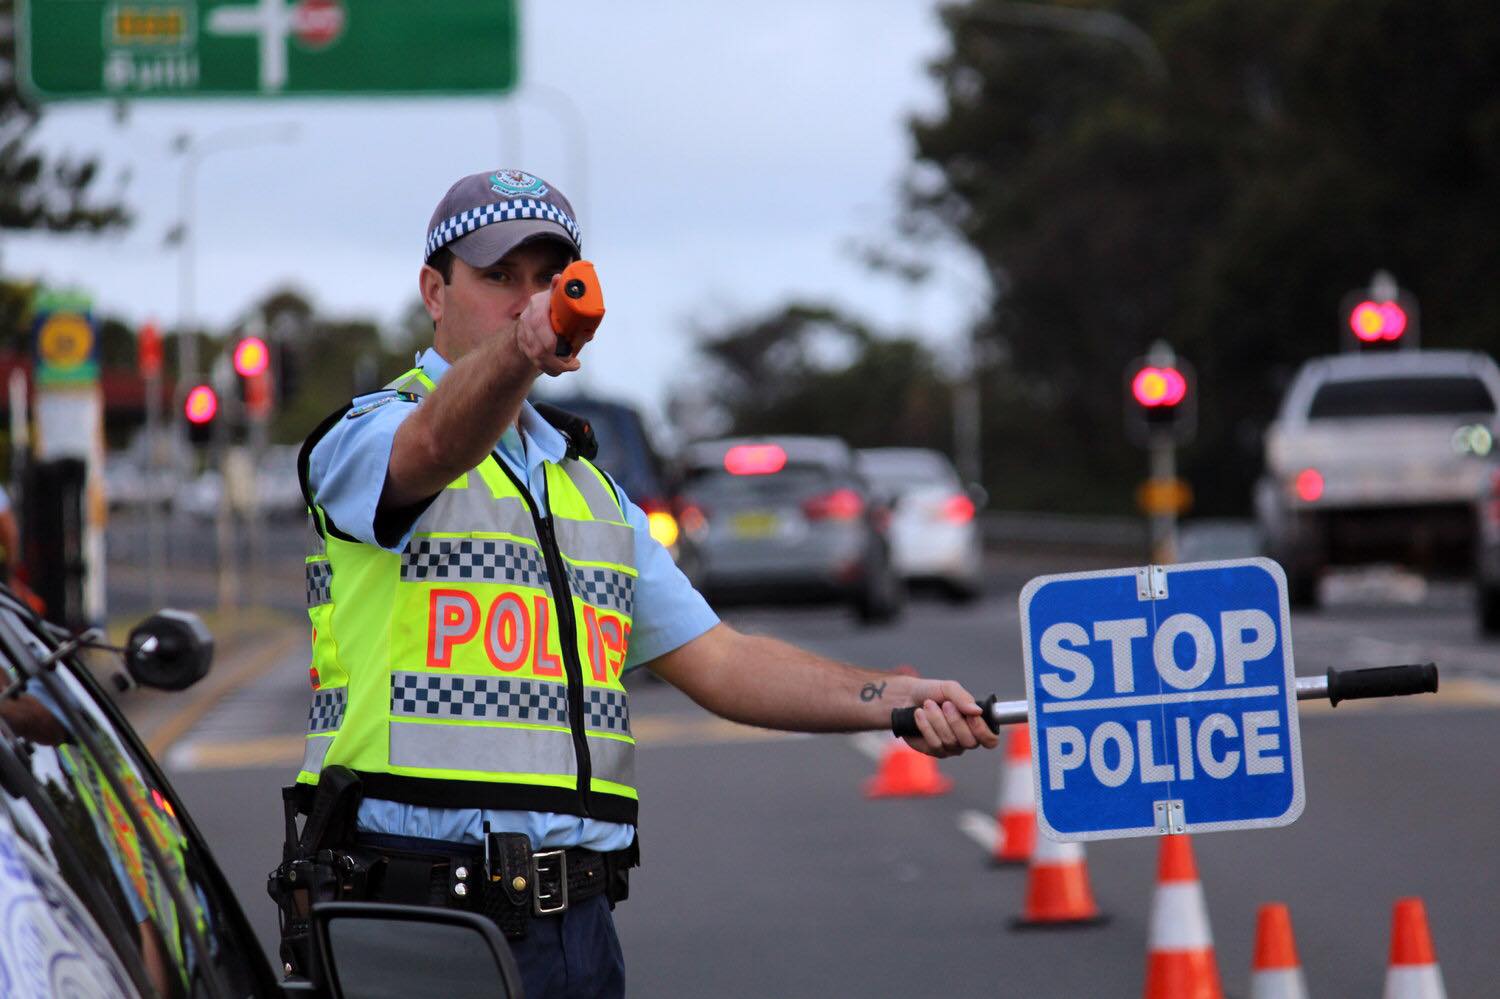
<point x="958" y="509"/>
<point x="754" y="459"/>
<point x="1309" y="485"/>
<point x="692" y="518"/>
<point x="841" y="504"/>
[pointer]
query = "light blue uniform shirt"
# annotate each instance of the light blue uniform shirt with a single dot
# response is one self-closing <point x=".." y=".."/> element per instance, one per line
<point x="346" y="473"/>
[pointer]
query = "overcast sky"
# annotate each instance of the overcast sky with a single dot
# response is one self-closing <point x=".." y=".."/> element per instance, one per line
<point x="722" y="158"/>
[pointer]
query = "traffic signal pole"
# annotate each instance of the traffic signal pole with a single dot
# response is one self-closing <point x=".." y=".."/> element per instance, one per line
<point x="1161" y="412"/>
<point x="1163" y="464"/>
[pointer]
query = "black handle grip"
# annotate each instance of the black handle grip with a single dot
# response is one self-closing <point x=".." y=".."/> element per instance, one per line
<point x="1381" y="681"/>
<point x="904" y="720"/>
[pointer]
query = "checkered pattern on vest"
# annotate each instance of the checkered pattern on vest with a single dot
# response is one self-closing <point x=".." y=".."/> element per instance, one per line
<point x="478" y="698"/>
<point x="607" y="710"/>
<point x="319" y="583"/>
<point x="604" y="588"/>
<point x="327" y="712"/>
<point x="427" y="559"/>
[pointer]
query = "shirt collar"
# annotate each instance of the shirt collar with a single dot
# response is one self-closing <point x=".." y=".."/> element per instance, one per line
<point x="543" y="440"/>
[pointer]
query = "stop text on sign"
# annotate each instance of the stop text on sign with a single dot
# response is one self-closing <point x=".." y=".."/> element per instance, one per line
<point x="1184" y="653"/>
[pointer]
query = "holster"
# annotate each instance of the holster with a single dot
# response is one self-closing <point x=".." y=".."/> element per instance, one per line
<point x="316" y="865"/>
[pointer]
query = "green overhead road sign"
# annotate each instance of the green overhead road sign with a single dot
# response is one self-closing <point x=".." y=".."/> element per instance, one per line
<point x="75" y="49"/>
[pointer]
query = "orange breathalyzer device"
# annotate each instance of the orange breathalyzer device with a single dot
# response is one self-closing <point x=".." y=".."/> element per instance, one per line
<point x="577" y="306"/>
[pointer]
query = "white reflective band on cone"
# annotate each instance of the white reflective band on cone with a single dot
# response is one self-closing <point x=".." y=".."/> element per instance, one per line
<point x="1278" y="983"/>
<point x="1052" y="853"/>
<point x="1420" y="982"/>
<point x="1179" y="920"/>
<point x="1018" y="793"/>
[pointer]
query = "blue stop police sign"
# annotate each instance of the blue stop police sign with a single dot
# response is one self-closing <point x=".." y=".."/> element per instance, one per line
<point x="1162" y="699"/>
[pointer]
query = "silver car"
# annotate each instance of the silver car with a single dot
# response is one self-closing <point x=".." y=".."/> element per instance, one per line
<point x="787" y="519"/>
<point x="934" y="536"/>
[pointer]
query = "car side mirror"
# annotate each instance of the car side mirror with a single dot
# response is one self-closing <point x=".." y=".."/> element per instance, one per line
<point x="374" y="950"/>
<point x="170" y="650"/>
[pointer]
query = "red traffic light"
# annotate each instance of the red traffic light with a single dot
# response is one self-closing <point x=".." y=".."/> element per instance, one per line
<point x="1158" y="388"/>
<point x="1374" y="321"/>
<point x="251" y="357"/>
<point x="201" y="405"/>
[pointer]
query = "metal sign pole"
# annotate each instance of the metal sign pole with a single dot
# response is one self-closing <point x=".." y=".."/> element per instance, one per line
<point x="1163" y="455"/>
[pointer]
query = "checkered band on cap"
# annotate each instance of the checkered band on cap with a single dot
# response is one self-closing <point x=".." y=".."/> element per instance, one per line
<point x="319" y="583"/>
<point x="477" y="698"/>
<point x="327" y="711"/>
<point x="607" y="710"/>
<point x="604" y="588"/>
<point x="491" y="561"/>
<point x="466" y="222"/>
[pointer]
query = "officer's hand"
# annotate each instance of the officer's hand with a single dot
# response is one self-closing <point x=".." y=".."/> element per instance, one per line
<point x="950" y="720"/>
<point x="537" y="341"/>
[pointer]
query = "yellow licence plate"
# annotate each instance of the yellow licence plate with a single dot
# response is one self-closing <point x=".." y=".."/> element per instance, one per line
<point x="760" y="524"/>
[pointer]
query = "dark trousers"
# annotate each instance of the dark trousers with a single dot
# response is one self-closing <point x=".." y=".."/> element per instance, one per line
<point x="572" y="956"/>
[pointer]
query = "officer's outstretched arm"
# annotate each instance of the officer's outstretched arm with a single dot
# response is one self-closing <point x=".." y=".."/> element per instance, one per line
<point x="479" y="397"/>
<point x="762" y="681"/>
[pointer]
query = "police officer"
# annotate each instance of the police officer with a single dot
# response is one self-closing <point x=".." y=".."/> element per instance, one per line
<point x="477" y="591"/>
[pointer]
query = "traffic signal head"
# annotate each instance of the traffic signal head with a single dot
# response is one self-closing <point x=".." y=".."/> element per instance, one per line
<point x="251" y="357"/>
<point x="1377" y="322"/>
<point x="1160" y="389"/>
<point x="1159" y="398"/>
<point x="201" y="405"/>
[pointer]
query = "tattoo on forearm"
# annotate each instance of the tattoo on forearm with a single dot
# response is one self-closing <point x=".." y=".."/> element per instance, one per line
<point x="871" y="691"/>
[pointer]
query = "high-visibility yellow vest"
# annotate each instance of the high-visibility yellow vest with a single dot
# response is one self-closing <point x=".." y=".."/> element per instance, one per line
<point x="480" y="666"/>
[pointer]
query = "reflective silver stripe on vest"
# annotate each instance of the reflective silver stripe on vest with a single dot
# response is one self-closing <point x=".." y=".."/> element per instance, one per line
<point x="613" y="759"/>
<point x="478" y="698"/>
<point x="599" y="497"/>
<point x="327" y="712"/>
<point x="314" y="752"/>
<point x="319" y="583"/>
<point x="607" y="710"/>
<point x="471" y="560"/>
<point x="464" y="509"/>
<point x="482" y="748"/>
<point x="596" y="540"/>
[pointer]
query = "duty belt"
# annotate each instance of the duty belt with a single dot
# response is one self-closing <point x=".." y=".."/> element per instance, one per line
<point x="506" y="881"/>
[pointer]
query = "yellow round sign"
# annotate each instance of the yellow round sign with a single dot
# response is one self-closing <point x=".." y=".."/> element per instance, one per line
<point x="66" y="340"/>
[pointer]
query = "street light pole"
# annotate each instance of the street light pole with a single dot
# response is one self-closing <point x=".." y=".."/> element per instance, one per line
<point x="194" y="152"/>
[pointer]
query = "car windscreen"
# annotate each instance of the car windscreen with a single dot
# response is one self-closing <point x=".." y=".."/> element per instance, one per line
<point x="717" y="488"/>
<point x="1431" y="395"/>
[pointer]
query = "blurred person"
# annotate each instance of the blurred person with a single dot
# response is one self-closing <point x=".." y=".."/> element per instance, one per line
<point x="483" y="716"/>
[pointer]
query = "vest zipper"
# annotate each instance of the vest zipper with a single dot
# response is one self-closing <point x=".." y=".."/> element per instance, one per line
<point x="567" y="631"/>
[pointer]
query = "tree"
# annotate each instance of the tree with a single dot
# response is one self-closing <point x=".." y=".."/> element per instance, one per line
<point x="35" y="192"/>
<point x="1295" y="148"/>
<point x="809" y="369"/>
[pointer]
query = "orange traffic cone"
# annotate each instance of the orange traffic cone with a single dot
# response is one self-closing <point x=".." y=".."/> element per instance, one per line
<point x="1180" y="963"/>
<point x="1057" y="887"/>
<point x="1276" y="974"/>
<point x="1414" y="972"/>
<point x="906" y="773"/>
<point x="1015" y="816"/>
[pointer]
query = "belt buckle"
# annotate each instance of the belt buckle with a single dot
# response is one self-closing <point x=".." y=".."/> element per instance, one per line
<point x="549" y="863"/>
